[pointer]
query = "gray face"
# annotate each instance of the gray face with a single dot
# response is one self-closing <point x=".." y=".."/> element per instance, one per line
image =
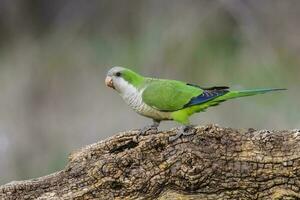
<point x="113" y="78"/>
<point x="113" y="71"/>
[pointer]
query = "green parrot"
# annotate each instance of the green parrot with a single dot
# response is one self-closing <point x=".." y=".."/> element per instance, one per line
<point x="163" y="99"/>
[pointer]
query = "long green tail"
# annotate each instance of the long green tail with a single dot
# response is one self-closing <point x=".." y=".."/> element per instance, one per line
<point x="231" y="95"/>
<point x="243" y="93"/>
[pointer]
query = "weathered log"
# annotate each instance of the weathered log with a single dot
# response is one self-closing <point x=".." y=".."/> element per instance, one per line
<point x="213" y="163"/>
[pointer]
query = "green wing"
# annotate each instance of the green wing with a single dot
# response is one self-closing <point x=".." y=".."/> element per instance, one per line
<point x="169" y="95"/>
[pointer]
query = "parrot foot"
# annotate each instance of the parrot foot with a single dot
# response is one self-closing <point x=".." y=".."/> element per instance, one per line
<point x="148" y="129"/>
<point x="183" y="131"/>
<point x="153" y="128"/>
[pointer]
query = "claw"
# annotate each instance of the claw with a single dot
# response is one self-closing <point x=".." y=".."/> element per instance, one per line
<point x="147" y="129"/>
<point x="153" y="128"/>
<point x="183" y="131"/>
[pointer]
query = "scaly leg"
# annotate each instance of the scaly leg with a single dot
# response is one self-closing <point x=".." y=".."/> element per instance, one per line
<point x="153" y="128"/>
<point x="183" y="131"/>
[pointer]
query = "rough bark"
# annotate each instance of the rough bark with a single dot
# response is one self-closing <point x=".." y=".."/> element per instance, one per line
<point x="213" y="163"/>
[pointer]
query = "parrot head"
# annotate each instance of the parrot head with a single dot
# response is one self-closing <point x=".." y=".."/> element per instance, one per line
<point x="120" y="79"/>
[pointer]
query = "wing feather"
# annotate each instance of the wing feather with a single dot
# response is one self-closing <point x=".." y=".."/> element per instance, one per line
<point x="206" y="96"/>
<point x="171" y="95"/>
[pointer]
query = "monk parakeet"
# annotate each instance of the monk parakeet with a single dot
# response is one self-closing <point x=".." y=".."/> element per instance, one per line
<point x="163" y="99"/>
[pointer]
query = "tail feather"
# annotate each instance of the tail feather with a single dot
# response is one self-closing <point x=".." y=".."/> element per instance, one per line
<point x="243" y="93"/>
<point x="231" y="95"/>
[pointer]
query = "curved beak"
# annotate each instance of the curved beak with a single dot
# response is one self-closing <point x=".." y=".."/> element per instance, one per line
<point x="109" y="82"/>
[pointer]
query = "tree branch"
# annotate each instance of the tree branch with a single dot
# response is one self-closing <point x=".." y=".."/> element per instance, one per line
<point x="214" y="163"/>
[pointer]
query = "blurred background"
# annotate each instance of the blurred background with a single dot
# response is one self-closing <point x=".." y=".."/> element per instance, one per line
<point x="54" y="56"/>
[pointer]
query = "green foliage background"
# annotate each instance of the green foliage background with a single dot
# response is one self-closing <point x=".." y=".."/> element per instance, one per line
<point x="54" y="56"/>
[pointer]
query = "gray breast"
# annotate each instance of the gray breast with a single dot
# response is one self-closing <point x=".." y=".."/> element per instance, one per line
<point x="133" y="98"/>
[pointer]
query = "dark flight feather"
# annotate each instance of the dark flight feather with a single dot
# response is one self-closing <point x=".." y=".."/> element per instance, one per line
<point x="207" y="95"/>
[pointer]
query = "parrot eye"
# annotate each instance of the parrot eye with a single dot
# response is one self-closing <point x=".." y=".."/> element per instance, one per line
<point x="118" y="74"/>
